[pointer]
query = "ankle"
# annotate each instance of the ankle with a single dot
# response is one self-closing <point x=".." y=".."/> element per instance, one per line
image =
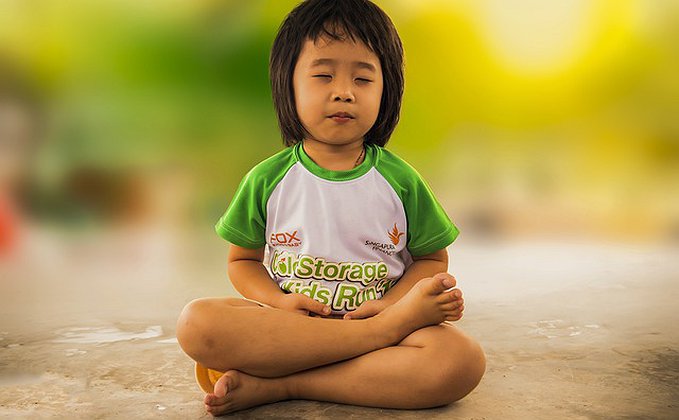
<point x="384" y="330"/>
<point x="289" y="387"/>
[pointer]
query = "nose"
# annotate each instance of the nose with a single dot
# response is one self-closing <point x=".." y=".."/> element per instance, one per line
<point x="344" y="97"/>
<point x="343" y="93"/>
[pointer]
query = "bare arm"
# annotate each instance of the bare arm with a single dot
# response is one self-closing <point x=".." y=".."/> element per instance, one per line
<point x="249" y="276"/>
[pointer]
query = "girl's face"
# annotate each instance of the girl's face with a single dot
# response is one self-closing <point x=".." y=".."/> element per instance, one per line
<point x="333" y="76"/>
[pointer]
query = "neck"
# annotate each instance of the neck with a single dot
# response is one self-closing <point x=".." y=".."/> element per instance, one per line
<point x="334" y="157"/>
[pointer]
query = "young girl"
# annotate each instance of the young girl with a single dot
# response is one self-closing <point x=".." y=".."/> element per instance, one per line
<point x="337" y="244"/>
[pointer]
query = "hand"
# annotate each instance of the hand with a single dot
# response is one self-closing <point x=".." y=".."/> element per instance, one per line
<point x="301" y="304"/>
<point x="367" y="309"/>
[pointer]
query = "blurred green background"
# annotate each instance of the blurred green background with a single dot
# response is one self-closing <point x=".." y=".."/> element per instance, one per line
<point x="529" y="118"/>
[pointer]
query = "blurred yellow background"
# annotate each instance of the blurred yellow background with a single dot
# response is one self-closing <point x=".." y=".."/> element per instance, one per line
<point x="528" y="118"/>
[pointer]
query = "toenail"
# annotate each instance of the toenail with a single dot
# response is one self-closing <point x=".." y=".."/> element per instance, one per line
<point x="447" y="283"/>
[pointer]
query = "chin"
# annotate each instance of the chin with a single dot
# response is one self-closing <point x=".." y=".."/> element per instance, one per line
<point x="335" y="140"/>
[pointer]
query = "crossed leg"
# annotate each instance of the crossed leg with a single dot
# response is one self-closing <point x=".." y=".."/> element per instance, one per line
<point x="271" y="355"/>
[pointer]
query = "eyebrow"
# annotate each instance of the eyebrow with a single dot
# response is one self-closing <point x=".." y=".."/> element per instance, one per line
<point x="359" y="64"/>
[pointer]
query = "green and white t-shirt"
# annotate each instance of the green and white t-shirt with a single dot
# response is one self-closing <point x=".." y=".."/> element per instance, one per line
<point x="340" y="237"/>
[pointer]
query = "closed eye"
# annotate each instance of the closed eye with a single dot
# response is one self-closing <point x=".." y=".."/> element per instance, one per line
<point x="359" y="79"/>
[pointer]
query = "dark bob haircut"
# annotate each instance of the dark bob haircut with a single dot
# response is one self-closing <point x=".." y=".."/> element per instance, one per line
<point x="313" y="19"/>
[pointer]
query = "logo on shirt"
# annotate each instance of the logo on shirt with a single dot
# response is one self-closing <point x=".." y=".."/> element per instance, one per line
<point x="395" y="235"/>
<point x="386" y="247"/>
<point x="285" y="239"/>
<point x="343" y="285"/>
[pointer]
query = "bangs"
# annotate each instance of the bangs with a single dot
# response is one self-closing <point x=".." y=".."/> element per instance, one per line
<point x="339" y="29"/>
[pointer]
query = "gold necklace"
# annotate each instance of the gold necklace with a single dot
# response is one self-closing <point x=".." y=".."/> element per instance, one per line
<point x="359" y="157"/>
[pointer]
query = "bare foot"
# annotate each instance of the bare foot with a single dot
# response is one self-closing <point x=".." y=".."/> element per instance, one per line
<point x="457" y="305"/>
<point x="429" y="302"/>
<point x="236" y="391"/>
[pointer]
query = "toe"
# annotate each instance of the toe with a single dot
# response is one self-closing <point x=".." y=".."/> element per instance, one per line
<point x="211" y="400"/>
<point x="436" y="285"/>
<point x="221" y="387"/>
<point x="233" y="378"/>
<point x="446" y="279"/>
<point x="454" y="295"/>
<point x="441" y="276"/>
<point x="445" y="298"/>
<point x="216" y="410"/>
<point x="449" y="307"/>
<point x="453" y="317"/>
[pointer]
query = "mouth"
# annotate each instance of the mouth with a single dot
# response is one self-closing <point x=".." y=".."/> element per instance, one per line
<point x="342" y="115"/>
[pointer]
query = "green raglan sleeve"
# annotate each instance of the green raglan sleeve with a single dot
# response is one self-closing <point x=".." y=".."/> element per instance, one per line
<point x="244" y="222"/>
<point x="429" y="228"/>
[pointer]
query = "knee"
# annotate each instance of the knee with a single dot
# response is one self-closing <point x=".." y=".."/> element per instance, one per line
<point x="460" y="367"/>
<point x="192" y="328"/>
<point x="464" y="373"/>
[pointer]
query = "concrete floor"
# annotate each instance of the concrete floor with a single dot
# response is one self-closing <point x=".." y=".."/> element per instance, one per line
<point x="571" y="329"/>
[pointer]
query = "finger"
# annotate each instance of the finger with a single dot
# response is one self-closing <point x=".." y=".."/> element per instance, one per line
<point x="359" y="314"/>
<point x="316" y="306"/>
<point x="350" y="315"/>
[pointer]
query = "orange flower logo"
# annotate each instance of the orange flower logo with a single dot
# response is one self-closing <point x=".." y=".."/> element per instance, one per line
<point x="395" y="235"/>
